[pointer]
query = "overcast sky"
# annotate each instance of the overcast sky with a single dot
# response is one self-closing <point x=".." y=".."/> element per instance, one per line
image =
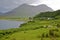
<point x="7" y="5"/>
<point x="54" y="4"/>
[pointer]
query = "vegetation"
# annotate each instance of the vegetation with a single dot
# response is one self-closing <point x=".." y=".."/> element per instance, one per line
<point x="51" y="15"/>
<point x="17" y="19"/>
<point x="35" y="29"/>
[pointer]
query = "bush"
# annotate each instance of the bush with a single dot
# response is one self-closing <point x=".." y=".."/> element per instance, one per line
<point x="31" y="21"/>
<point x="56" y="30"/>
<point x="43" y="35"/>
<point x="54" y="33"/>
<point x="23" y="24"/>
<point x="47" y="35"/>
<point x="41" y="26"/>
<point x="58" y="25"/>
<point x="51" y="33"/>
<point x="57" y="35"/>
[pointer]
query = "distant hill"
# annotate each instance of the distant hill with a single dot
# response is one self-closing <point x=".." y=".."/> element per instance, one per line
<point x="1" y="13"/>
<point x="27" y="11"/>
<point x="55" y="14"/>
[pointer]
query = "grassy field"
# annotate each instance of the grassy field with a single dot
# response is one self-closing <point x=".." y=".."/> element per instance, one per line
<point x="34" y="30"/>
<point x="16" y="19"/>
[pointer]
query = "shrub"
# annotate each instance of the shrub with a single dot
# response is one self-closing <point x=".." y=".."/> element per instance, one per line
<point x="57" y="35"/>
<point x="8" y="32"/>
<point x="58" y="25"/>
<point x="23" y="24"/>
<point x="43" y="35"/>
<point x="41" y="26"/>
<point x="56" y="30"/>
<point x="7" y="37"/>
<point x="54" y="33"/>
<point x="51" y="33"/>
<point x="47" y="35"/>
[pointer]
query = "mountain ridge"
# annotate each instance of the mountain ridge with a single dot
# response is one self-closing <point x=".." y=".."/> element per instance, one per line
<point x="26" y="10"/>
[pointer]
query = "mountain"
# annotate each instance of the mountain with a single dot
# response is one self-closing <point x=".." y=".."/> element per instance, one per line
<point x="1" y="13"/>
<point x="26" y="10"/>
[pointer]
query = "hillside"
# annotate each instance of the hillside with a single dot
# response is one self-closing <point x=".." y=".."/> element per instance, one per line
<point x="36" y="29"/>
<point x="25" y="10"/>
<point x="33" y="30"/>
<point x="55" y="15"/>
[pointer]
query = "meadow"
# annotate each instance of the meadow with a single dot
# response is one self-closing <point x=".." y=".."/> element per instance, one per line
<point x="44" y="26"/>
<point x="34" y="30"/>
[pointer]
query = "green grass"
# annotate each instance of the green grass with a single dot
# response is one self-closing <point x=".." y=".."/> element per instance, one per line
<point x="29" y="35"/>
<point x="17" y="19"/>
<point x="32" y="31"/>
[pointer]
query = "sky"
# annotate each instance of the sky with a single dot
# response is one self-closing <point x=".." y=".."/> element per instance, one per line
<point x="7" y="5"/>
<point x="54" y="4"/>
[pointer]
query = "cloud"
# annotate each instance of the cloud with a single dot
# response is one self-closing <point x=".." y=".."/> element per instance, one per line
<point x="6" y="5"/>
<point x="54" y="4"/>
<point x="32" y="1"/>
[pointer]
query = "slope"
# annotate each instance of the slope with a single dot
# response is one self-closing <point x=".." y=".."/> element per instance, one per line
<point x="27" y="11"/>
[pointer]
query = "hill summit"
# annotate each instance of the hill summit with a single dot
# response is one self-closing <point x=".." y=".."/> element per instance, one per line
<point x="26" y="10"/>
